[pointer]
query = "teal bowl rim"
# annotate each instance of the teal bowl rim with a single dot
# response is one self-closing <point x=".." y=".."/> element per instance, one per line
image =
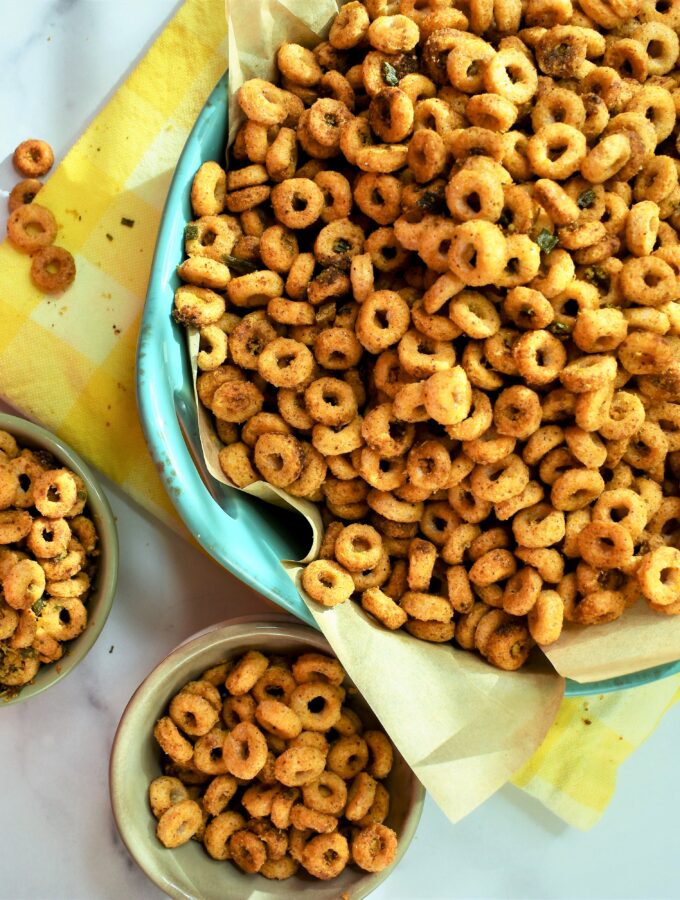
<point x="168" y="413"/>
<point x="31" y="435"/>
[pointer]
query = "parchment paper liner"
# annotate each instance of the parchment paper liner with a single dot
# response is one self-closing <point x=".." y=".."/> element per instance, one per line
<point x="462" y="725"/>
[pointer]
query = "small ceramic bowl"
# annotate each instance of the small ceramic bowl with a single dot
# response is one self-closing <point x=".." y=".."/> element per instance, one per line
<point x="99" y="602"/>
<point x="188" y="871"/>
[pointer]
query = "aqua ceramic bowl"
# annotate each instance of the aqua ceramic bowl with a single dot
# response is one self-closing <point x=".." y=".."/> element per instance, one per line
<point x="243" y="534"/>
<point x="188" y="871"/>
<point x="99" y="603"/>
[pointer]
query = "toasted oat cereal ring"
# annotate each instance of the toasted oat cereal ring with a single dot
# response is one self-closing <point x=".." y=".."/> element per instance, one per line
<point x="31" y="227"/>
<point x="509" y="646"/>
<point x="23" y="192"/>
<point x="556" y="151"/>
<point x="285" y="363"/>
<point x="539" y="525"/>
<point x="428" y="466"/>
<point x="501" y="480"/>
<point x="305" y="819"/>
<point x="586" y="446"/>
<point x="277" y="683"/>
<point x="326" y="855"/>
<point x="331" y="401"/>
<point x="263" y="102"/>
<point x="219" y="830"/>
<point x="327" y="582"/>
<point x="208" y="190"/>
<point x="297" y="202"/>
<point x="325" y="121"/>
<point x="391" y="115"/>
<point x="298" y="64"/>
<point x="605" y="545"/>
<point x="279" y="458"/>
<point x="539" y="356"/>
<point x="426" y="607"/>
<point x="202" y="271"/>
<point x="545" y="618"/>
<point x="208" y="755"/>
<point x="311" y="739"/>
<point x="48" y="537"/>
<point x="421" y="356"/>
<point x="648" y="281"/>
<point x="279" y="869"/>
<point x="348" y="756"/>
<point x="277" y="718"/>
<point x="517" y="412"/>
<point x="238" y="709"/>
<point x="382" y="321"/>
<point x="358" y="547"/>
<point x="246" y="673"/>
<point x="393" y="33"/>
<point x="165" y="792"/>
<point x="54" y="493"/>
<point x="459" y="590"/>
<point x="492" y="567"/>
<point x="179" y="823"/>
<point x="474" y="195"/>
<point x="172" y="742"/>
<point x="381" y="605"/>
<point x="381" y="754"/>
<point x="281" y="806"/>
<point x="52" y="269"/>
<point x="360" y="797"/>
<point x="511" y="74"/>
<point x="193" y="713"/>
<point x="67" y="588"/>
<point x="659" y="576"/>
<point x="23" y="584"/>
<point x="350" y="26"/>
<point x="477" y="252"/>
<point x="298" y="766"/>
<point x="275" y="840"/>
<point x="374" y="848"/>
<point x="317" y="704"/>
<point x="327" y="795"/>
<point x="236" y="462"/>
<point x="236" y="401"/>
<point x="248" y="851"/>
<point x="576" y="489"/>
<point x="245" y="750"/>
<point x="598" y="608"/>
<point x="317" y="667"/>
<point x="474" y="314"/>
<point x="258" y="798"/>
<point x="435" y="632"/>
<point x="33" y="158"/>
<point x="623" y="506"/>
<point x="197" y="306"/>
<point x="588" y="373"/>
<point x="218" y="794"/>
<point x="521" y="591"/>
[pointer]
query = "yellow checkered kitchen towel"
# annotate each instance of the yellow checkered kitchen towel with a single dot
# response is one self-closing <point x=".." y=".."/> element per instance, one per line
<point x="69" y="362"/>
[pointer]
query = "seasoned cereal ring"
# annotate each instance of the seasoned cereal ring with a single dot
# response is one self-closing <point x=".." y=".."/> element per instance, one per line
<point x="33" y="158"/>
<point x="31" y="227"/>
<point x="179" y="823"/>
<point x="374" y="848"/>
<point x="326" y="855"/>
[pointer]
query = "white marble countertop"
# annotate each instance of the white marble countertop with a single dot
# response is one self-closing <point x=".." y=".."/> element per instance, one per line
<point x="60" y="60"/>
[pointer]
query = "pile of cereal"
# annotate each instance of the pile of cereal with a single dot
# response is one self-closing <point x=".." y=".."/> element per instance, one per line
<point x="32" y="228"/>
<point x="437" y="292"/>
<point x="268" y="768"/>
<point x="48" y="552"/>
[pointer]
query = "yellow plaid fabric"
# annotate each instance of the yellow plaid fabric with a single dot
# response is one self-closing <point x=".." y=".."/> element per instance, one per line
<point x="69" y="362"/>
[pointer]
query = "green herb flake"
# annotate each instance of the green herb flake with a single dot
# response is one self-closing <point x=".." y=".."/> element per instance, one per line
<point x="242" y="266"/>
<point x="38" y="606"/>
<point x="429" y="200"/>
<point x="546" y="241"/>
<point x="129" y="223"/>
<point x="109" y="237"/>
<point x="586" y="199"/>
<point x="341" y="246"/>
<point x="389" y="74"/>
<point x="559" y="329"/>
<point x="597" y="276"/>
<point x="190" y="232"/>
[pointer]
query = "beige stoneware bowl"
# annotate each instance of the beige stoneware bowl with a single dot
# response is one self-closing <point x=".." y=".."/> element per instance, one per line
<point x="188" y="872"/>
<point x="99" y="602"/>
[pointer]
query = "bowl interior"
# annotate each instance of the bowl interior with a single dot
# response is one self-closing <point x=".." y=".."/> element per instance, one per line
<point x="101" y="597"/>
<point x="188" y="871"/>
<point x="241" y="533"/>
